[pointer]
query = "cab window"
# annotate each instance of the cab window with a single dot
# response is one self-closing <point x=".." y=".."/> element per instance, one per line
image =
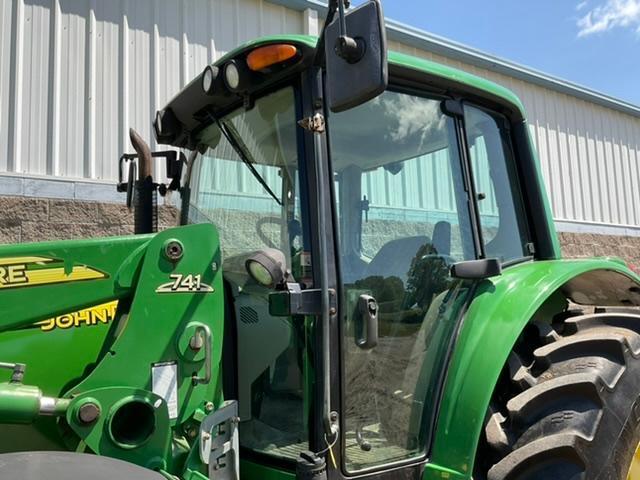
<point x="271" y="351"/>
<point x="499" y="200"/>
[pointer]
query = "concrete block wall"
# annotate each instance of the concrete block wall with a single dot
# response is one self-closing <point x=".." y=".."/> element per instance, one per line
<point x="581" y="245"/>
<point x="29" y="219"/>
<point x="25" y="219"/>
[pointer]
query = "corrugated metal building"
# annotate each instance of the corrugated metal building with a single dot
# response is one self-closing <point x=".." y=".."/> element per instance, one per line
<point x="76" y="74"/>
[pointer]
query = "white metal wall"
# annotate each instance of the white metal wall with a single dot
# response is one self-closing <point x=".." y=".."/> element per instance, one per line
<point x="76" y="74"/>
<point x="590" y="155"/>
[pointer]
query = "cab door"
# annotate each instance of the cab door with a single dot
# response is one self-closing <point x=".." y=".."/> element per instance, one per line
<point x="403" y="211"/>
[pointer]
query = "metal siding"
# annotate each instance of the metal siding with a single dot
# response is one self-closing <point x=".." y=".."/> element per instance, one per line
<point x="589" y="154"/>
<point x="76" y="74"/>
<point x="6" y="38"/>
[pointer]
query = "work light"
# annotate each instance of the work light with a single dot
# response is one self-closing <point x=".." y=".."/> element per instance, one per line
<point x="267" y="267"/>
<point x="208" y="78"/>
<point x="232" y="75"/>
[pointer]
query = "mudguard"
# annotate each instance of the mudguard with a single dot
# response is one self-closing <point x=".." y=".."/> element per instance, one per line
<point x="500" y="310"/>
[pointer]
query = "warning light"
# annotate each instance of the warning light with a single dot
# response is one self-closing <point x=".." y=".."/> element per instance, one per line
<point x="269" y="55"/>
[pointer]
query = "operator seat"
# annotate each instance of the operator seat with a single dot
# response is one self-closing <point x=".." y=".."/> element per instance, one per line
<point x="395" y="257"/>
<point x="441" y="238"/>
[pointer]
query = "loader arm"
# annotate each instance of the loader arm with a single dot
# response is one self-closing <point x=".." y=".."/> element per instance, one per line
<point x="141" y="380"/>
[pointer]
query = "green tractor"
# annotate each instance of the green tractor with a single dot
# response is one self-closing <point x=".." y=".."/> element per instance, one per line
<point x="366" y="283"/>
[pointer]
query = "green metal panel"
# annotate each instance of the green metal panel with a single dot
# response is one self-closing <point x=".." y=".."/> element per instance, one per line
<point x="398" y="59"/>
<point x="57" y="356"/>
<point x="164" y="300"/>
<point x="61" y="294"/>
<point x="499" y="312"/>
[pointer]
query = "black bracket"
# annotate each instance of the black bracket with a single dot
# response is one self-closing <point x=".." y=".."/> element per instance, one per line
<point x="175" y="161"/>
<point x="295" y="301"/>
<point x="452" y="107"/>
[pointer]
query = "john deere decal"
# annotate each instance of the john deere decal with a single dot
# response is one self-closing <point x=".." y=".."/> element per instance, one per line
<point x="96" y="315"/>
<point x="21" y="272"/>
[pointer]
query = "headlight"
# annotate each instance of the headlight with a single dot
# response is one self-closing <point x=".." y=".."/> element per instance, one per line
<point x="208" y="78"/>
<point x="232" y="75"/>
<point x="267" y="267"/>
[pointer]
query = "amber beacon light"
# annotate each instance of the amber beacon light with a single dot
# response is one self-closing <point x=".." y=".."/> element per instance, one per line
<point x="265" y="57"/>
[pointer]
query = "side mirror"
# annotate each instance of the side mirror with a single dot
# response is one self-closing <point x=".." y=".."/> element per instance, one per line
<point x="356" y="56"/>
<point x="477" y="269"/>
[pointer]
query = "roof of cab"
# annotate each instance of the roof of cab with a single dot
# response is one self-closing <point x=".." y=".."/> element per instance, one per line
<point x="401" y="60"/>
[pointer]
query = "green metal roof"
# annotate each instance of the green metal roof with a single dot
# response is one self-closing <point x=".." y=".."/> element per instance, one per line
<point x="402" y="60"/>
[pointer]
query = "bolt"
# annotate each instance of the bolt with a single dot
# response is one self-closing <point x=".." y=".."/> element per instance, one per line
<point x="208" y="406"/>
<point x="333" y="416"/>
<point x="196" y="342"/>
<point x="173" y="250"/>
<point x="206" y="436"/>
<point x="192" y="432"/>
<point x="88" y="413"/>
<point x="332" y="311"/>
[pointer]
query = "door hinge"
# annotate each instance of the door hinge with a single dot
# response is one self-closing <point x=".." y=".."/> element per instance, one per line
<point x="313" y="124"/>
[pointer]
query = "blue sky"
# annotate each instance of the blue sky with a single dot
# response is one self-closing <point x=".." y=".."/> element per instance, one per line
<point x="595" y="43"/>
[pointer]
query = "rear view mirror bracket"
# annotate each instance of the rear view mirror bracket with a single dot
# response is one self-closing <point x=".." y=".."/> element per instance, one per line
<point x="350" y="49"/>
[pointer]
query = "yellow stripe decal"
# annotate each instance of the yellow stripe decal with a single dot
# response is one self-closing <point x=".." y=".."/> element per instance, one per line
<point x="19" y="272"/>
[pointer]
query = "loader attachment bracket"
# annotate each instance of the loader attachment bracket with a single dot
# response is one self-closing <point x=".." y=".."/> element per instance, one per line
<point x="219" y="442"/>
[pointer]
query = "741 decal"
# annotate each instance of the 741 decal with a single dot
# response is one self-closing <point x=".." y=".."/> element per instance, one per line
<point x="184" y="284"/>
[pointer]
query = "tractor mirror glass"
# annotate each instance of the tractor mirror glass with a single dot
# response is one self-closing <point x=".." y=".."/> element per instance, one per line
<point x="356" y="57"/>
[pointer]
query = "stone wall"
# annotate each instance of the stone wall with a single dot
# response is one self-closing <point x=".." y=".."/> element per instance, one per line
<point x="580" y="245"/>
<point x="25" y="219"/>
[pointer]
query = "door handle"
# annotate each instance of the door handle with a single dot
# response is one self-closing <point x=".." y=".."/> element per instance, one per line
<point x="366" y="325"/>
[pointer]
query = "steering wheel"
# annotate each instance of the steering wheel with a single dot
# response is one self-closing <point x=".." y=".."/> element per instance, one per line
<point x="262" y="235"/>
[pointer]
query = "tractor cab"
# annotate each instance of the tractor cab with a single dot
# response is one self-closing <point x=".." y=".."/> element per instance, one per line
<point x="358" y="203"/>
<point x="352" y="292"/>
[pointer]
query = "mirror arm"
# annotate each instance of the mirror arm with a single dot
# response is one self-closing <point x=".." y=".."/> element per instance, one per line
<point x="319" y="59"/>
<point x="349" y="49"/>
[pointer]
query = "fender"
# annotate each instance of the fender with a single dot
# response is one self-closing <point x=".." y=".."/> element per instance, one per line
<point x="498" y="313"/>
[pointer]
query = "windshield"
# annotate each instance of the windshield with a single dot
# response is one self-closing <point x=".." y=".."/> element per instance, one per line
<point x="254" y="207"/>
<point x="221" y="186"/>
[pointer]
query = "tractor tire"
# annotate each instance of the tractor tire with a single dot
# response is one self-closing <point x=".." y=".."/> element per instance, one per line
<point x="567" y="405"/>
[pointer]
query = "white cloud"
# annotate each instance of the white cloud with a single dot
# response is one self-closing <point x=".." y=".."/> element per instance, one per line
<point x="581" y="5"/>
<point x="614" y="13"/>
